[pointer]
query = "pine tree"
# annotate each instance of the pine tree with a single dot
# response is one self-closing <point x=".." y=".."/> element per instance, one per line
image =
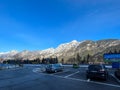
<point x="78" y="58"/>
<point x="110" y="52"/>
<point x="88" y="57"/>
<point x="115" y="51"/>
<point x="119" y="51"/>
<point x="84" y="60"/>
<point x="43" y="61"/>
<point x="56" y="59"/>
<point x="62" y="61"/>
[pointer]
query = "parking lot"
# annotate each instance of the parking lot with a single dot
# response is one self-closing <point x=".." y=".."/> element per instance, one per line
<point x="35" y="78"/>
<point x="80" y="75"/>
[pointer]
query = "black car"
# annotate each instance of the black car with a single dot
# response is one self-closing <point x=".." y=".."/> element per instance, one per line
<point x="54" y="67"/>
<point x="97" y="71"/>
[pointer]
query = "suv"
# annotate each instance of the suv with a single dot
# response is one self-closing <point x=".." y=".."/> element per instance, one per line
<point x="97" y="71"/>
<point x="54" y="67"/>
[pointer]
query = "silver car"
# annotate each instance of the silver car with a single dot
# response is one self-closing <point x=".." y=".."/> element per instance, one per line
<point x="54" y="67"/>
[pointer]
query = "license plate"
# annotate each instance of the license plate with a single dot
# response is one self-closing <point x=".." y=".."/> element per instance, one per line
<point x="93" y="71"/>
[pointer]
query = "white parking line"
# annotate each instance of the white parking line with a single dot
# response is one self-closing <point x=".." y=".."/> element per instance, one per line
<point x="38" y="70"/>
<point x="115" y="77"/>
<point x="82" y="80"/>
<point x="113" y="85"/>
<point x="95" y="82"/>
<point x="71" y="74"/>
<point x="61" y="72"/>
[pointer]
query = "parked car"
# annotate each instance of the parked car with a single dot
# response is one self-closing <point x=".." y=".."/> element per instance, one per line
<point x="75" y="66"/>
<point x="97" y="71"/>
<point x="117" y="73"/>
<point x="54" y="67"/>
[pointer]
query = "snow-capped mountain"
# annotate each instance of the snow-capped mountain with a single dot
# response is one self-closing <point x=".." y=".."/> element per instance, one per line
<point x="12" y="52"/>
<point x="67" y="46"/>
<point x="66" y="50"/>
<point x="8" y="55"/>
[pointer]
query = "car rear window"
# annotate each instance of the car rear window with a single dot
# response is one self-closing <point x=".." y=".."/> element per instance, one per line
<point x="94" y="67"/>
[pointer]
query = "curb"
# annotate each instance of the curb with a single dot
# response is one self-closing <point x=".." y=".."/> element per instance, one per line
<point x="38" y="70"/>
<point x="8" y="68"/>
<point x="115" y="78"/>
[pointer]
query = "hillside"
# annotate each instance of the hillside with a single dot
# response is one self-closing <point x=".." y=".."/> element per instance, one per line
<point x="68" y="51"/>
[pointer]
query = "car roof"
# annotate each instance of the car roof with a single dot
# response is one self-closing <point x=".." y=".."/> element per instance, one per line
<point x="96" y="64"/>
<point x="101" y="65"/>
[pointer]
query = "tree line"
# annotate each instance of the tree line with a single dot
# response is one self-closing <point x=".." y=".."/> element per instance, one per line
<point x="78" y="59"/>
<point x="35" y="61"/>
<point x="114" y="52"/>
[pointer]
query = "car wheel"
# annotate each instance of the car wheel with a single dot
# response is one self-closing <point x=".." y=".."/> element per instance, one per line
<point x="105" y="78"/>
<point x="87" y="76"/>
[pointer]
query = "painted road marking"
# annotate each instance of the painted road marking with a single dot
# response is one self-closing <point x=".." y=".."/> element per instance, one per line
<point x="71" y="74"/>
<point x="61" y="72"/>
<point x="88" y="80"/>
<point x="37" y="70"/>
<point x="115" y="77"/>
<point x="82" y="80"/>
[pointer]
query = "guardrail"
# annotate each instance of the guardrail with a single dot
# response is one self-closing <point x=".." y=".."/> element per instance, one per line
<point x="69" y="65"/>
<point x="107" y="66"/>
<point x="8" y="66"/>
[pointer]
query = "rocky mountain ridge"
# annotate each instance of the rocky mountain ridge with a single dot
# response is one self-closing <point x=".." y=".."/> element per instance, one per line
<point x="66" y="51"/>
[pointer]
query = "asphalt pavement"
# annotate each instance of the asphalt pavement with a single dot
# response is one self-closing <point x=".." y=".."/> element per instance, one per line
<point x="32" y="78"/>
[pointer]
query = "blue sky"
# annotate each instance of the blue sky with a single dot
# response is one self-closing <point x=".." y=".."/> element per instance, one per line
<point x="41" y="24"/>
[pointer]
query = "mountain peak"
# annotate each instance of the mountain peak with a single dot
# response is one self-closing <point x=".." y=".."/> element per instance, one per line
<point x="74" y="41"/>
<point x="12" y="51"/>
<point x="64" y="50"/>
